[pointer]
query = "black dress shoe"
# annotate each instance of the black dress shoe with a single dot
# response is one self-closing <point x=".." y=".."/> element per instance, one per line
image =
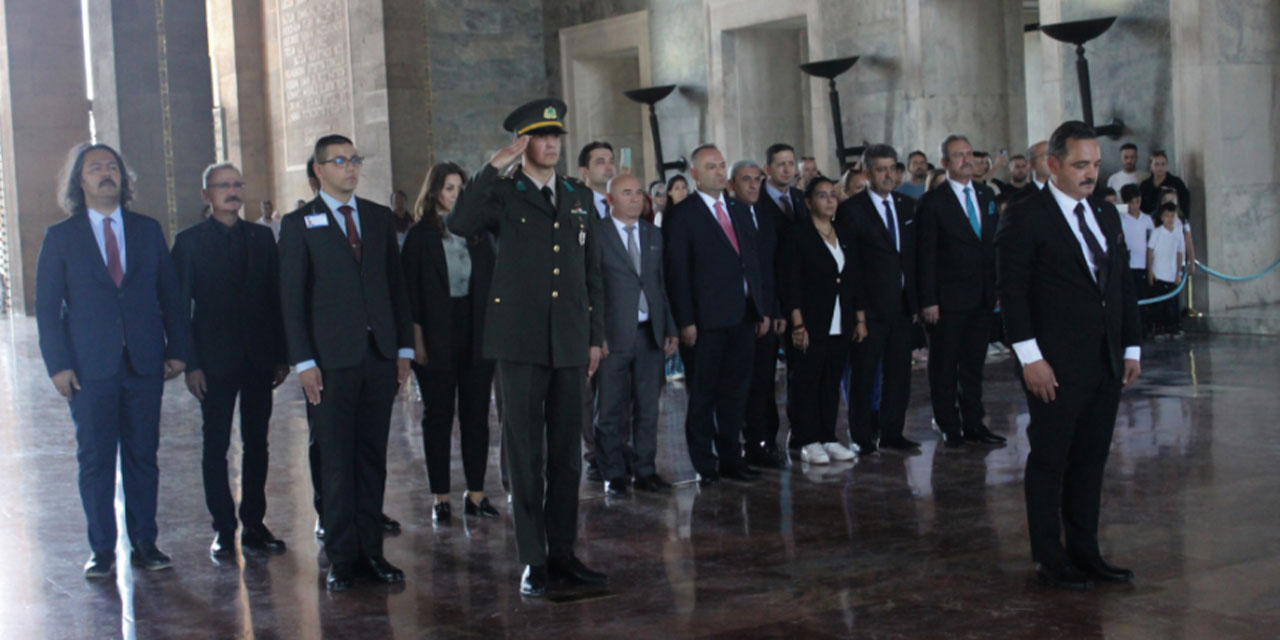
<point x="319" y="530"/>
<point x="482" y="508"/>
<point x="652" y="483"/>
<point x="147" y="556"/>
<point x="100" y="565"/>
<point x="224" y="544"/>
<point x="1063" y="575"/>
<point x="593" y="473"/>
<point x="983" y="435"/>
<point x="1100" y="570"/>
<point x="708" y="479"/>
<point x="951" y="439"/>
<point x="616" y="488"/>
<point x="382" y="571"/>
<point x="442" y="512"/>
<point x="741" y="473"/>
<point x="260" y="538"/>
<point x="534" y="581"/>
<point x="766" y="458"/>
<point x="899" y="443"/>
<point x="339" y="578"/>
<point x="389" y="525"/>
<point x="865" y="448"/>
<point x="570" y="569"/>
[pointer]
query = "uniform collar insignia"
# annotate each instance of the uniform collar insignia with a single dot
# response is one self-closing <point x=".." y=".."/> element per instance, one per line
<point x="567" y="186"/>
<point x="520" y="186"/>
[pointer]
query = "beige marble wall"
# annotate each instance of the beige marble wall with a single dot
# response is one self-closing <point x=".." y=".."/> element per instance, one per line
<point x="1226" y="79"/>
<point x="236" y="45"/>
<point x="43" y="113"/>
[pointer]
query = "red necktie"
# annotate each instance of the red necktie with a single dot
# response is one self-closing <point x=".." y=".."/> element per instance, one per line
<point x="113" y="253"/>
<point x="353" y="236"/>
<point x="727" y="227"/>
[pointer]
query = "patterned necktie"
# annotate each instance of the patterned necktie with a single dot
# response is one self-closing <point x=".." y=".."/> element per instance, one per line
<point x="633" y="250"/>
<point x="353" y="236"/>
<point x="727" y="227"/>
<point x="113" y="253"/>
<point x="786" y="205"/>
<point x="973" y="212"/>
<point x="1099" y="255"/>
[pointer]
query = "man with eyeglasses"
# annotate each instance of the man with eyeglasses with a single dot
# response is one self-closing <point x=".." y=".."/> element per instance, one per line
<point x="229" y="275"/>
<point x="349" y="335"/>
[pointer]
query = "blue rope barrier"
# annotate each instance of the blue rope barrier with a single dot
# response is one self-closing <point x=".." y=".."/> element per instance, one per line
<point x="1228" y="278"/>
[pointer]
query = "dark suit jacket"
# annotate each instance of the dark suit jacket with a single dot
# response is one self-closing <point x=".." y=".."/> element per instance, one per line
<point x="622" y="286"/>
<point x="782" y="226"/>
<point x="426" y="277"/>
<point x="704" y="273"/>
<point x="1047" y="292"/>
<point x="230" y="321"/>
<point x="889" y="276"/>
<point x="767" y="236"/>
<point x="546" y="304"/>
<point x="329" y="300"/>
<point x="957" y="269"/>
<point x="85" y="321"/>
<point x="814" y="282"/>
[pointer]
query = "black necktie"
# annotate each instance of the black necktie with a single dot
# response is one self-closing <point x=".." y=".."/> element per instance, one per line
<point x="891" y="224"/>
<point x="1100" y="260"/>
<point x="546" y="193"/>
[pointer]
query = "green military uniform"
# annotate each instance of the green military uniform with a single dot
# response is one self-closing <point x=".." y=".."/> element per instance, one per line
<point x="544" y="312"/>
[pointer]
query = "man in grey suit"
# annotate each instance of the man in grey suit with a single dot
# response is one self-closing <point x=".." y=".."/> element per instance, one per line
<point x="639" y="333"/>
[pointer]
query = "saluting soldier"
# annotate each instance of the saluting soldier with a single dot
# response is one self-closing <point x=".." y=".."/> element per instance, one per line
<point x="544" y="326"/>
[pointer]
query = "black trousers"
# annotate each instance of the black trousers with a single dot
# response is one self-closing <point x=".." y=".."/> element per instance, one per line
<point x="1164" y="315"/>
<point x="456" y="377"/>
<point x="1070" y="439"/>
<point x="253" y="386"/>
<point x="350" y="427"/>
<point x="718" y="371"/>
<point x="957" y="353"/>
<point x="888" y="345"/>
<point x="1142" y="291"/>
<point x="761" y="428"/>
<point x="542" y="434"/>
<point x="815" y="389"/>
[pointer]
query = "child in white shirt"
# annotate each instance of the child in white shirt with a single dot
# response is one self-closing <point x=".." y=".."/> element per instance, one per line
<point x="1165" y="254"/>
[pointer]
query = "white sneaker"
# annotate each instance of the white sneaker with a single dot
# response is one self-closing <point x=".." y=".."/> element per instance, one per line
<point x="838" y="452"/>
<point x="814" y="454"/>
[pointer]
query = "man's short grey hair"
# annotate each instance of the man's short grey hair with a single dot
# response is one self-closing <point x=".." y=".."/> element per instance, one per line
<point x="743" y="164"/>
<point x="211" y="169"/>
<point x="946" y="142"/>
<point x="706" y="146"/>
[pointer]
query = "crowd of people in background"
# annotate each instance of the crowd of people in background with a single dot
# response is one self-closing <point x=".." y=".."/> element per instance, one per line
<point x="573" y="297"/>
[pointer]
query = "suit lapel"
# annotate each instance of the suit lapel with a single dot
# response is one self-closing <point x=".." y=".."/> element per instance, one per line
<point x="318" y="206"/>
<point x="533" y="194"/>
<point x="435" y="247"/>
<point x="89" y="247"/>
<point x="132" y="246"/>
<point x="710" y="216"/>
<point x="1058" y="221"/>
<point x="876" y="221"/>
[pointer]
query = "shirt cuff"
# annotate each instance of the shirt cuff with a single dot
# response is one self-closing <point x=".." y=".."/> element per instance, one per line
<point x="1028" y="351"/>
<point x="304" y="365"/>
<point x="405" y="353"/>
<point x="1133" y="353"/>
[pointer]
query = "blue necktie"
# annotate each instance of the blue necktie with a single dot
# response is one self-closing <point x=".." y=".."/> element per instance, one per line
<point x="973" y="213"/>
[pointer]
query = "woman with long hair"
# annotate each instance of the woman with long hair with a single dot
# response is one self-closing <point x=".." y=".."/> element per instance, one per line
<point x="824" y="304"/>
<point x="448" y="281"/>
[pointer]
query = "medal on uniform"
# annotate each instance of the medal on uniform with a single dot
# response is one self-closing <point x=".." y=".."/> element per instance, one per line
<point x="582" y="237"/>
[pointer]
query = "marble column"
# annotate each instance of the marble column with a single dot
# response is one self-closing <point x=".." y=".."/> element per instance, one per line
<point x="153" y="100"/>
<point x="1226" y="121"/>
<point x="44" y="111"/>
<point x="235" y="40"/>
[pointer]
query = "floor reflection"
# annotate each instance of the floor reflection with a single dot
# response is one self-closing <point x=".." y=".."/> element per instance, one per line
<point x="924" y="545"/>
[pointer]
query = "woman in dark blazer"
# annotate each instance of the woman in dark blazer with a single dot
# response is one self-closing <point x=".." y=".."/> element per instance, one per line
<point x="448" y="281"/>
<point x="824" y="302"/>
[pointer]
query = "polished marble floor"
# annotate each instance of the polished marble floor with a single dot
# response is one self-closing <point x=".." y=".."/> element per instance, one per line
<point x="924" y="546"/>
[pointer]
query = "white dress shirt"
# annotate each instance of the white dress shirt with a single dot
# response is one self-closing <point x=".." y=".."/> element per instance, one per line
<point x="1029" y="350"/>
<point x="333" y="205"/>
<point x="622" y="233"/>
<point x="882" y="204"/>
<point x="711" y="205"/>
<point x="602" y="205"/>
<point x="778" y="196"/>
<point x="96" y="221"/>
<point x="958" y="189"/>
<point x="1135" y="236"/>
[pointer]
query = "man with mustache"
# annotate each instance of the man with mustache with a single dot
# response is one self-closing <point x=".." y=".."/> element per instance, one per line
<point x="230" y="277"/>
<point x="112" y="329"/>
<point x="957" y="271"/>
<point x="1070" y="311"/>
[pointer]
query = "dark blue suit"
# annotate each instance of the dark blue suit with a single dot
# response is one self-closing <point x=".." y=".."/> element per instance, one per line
<point x="116" y="340"/>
